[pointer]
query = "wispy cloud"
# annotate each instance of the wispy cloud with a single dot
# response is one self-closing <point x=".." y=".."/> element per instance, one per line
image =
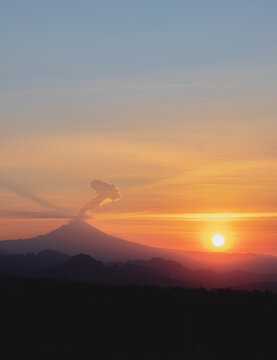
<point x="192" y="216"/>
<point x="34" y="214"/>
<point x="168" y="86"/>
<point x="24" y="192"/>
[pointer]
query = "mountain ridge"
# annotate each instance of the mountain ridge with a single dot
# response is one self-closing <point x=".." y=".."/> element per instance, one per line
<point x="79" y="237"/>
<point x="154" y="272"/>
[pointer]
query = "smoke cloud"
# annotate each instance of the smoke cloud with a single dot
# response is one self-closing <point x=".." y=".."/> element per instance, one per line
<point x="104" y="193"/>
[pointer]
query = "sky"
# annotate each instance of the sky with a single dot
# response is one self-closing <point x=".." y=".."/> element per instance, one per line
<point x="174" y="102"/>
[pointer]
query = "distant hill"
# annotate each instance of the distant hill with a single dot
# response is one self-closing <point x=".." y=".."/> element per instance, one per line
<point x="85" y="268"/>
<point x="156" y="271"/>
<point x="204" y="277"/>
<point x="27" y="264"/>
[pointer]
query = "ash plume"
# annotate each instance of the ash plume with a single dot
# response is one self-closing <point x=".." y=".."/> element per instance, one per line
<point x="104" y="193"/>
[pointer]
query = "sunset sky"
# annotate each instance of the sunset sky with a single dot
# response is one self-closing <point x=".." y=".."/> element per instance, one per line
<point x="174" y="102"/>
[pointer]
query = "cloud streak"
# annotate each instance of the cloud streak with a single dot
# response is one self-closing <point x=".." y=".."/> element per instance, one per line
<point x="34" y="215"/>
<point x="192" y="216"/>
<point x="20" y="190"/>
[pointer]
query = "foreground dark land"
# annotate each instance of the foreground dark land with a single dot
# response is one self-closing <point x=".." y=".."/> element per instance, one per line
<point x="43" y="318"/>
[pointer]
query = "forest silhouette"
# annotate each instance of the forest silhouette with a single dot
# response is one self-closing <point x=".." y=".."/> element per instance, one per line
<point x="42" y="318"/>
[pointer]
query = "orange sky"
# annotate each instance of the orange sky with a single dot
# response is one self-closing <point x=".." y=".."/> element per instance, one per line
<point x="177" y="189"/>
<point x="174" y="104"/>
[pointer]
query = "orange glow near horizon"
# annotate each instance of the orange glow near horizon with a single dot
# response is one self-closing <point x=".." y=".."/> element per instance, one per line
<point x="162" y="205"/>
<point x="193" y="234"/>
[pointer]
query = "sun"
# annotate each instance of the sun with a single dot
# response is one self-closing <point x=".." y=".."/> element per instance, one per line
<point x="218" y="240"/>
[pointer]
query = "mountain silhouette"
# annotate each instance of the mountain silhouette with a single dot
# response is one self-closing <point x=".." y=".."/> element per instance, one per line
<point x="20" y="264"/>
<point x="85" y="268"/>
<point x="79" y="268"/>
<point x="79" y="237"/>
<point x="156" y="271"/>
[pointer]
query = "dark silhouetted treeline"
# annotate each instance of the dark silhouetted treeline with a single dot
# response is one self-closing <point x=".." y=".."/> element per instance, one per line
<point x="43" y="319"/>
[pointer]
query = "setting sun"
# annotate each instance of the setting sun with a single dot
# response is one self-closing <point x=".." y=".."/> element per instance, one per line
<point x="218" y="240"/>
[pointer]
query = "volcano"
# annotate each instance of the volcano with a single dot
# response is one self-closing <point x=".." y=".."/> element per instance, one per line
<point x="79" y="237"/>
